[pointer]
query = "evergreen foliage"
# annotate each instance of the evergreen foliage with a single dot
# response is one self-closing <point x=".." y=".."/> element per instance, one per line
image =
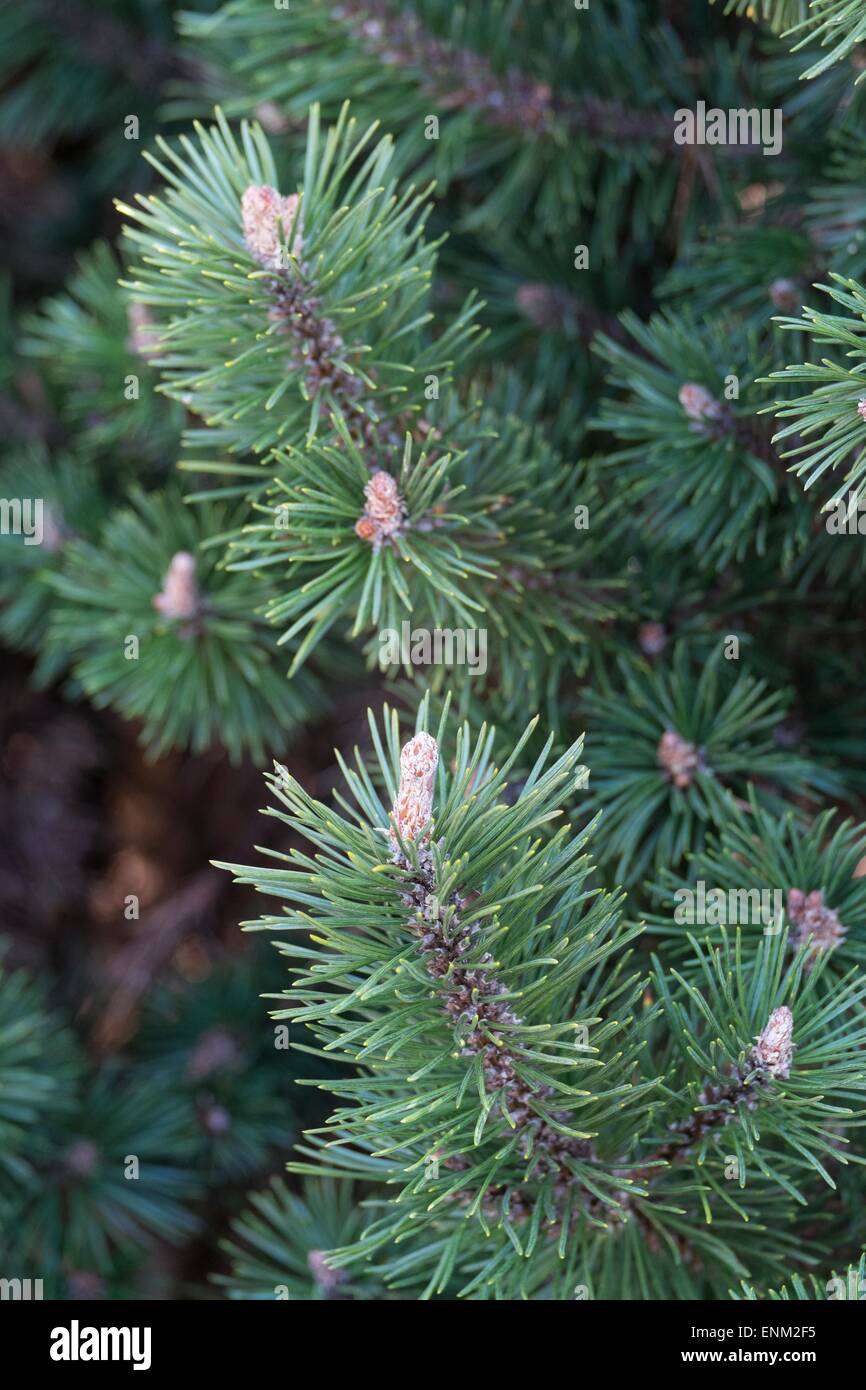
<point x="69" y="1211"/>
<point x="670" y="752"/>
<point x="835" y="24"/>
<point x="73" y="505"/>
<point x="674" y="429"/>
<point x="755" y="849"/>
<point x="104" y="1159"/>
<point x="465" y="946"/>
<point x="235" y="1083"/>
<point x="849" y="1283"/>
<point x="91" y="351"/>
<point x="37" y="1068"/>
<point x="828" y="423"/>
<point x="414" y="318"/>
<point x="202" y="666"/>
<point x="277" y="1247"/>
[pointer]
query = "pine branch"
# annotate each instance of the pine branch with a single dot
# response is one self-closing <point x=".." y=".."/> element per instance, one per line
<point x="278" y="1246"/>
<point x="698" y="464"/>
<point x="155" y="630"/>
<point x="40" y="1063"/>
<point x="65" y="502"/>
<point x="99" y="351"/>
<point x="849" y="1283"/>
<point x="834" y="408"/>
<point x="456" y="940"/>
<point x="671" y="745"/>
<point x="802" y="882"/>
<point x="221" y="251"/>
<point x="332" y="416"/>
<point x="545" y="127"/>
<point x="835" y="24"/>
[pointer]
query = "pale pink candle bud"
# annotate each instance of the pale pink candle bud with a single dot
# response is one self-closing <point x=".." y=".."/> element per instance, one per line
<point x="384" y="510"/>
<point x="267" y="220"/>
<point x="653" y="638"/>
<point x="813" y="921"/>
<point x="861" y="409"/>
<point x="384" y="503"/>
<point x="697" y="402"/>
<point x="785" y="294"/>
<point x="179" y="596"/>
<point x="678" y="758"/>
<point x="414" y="803"/>
<point x="774" y="1048"/>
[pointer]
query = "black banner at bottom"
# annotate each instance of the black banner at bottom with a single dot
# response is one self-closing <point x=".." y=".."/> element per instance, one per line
<point x="144" y="1338"/>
